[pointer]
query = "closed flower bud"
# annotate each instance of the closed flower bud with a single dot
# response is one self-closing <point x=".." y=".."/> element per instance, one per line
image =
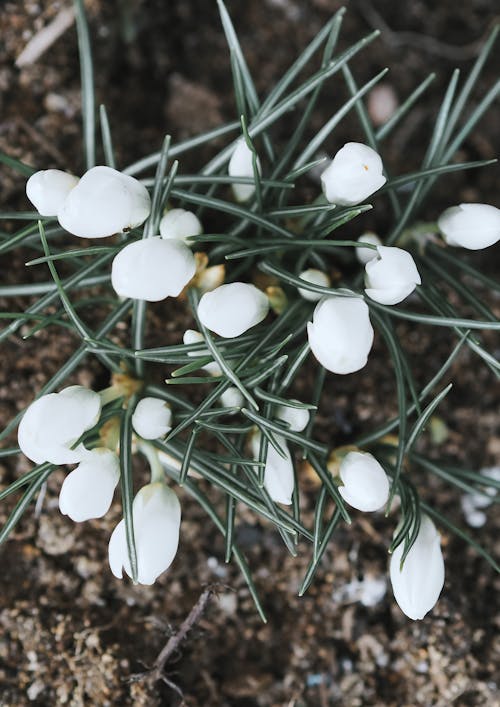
<point x="297" y="418"/>
<point x="152" y="418"/>
<point x="53" y="423"/>
<point x="230" y="310"/>
<point x="152" y="269"/>
<point x="48" y="189"/>
<point x="391" y="276"/>
<point x="364" y="255"/>
<point x="241" y="165"/>
<point x="231" y="398"/>
<point x="365" y="483"/>
<point x="156" y="515"/>
<point x="87" y="492"/>
<point x="472" y="226"/>
<point x="104" y="202"/>
<point x="418" y="584"/>
<point x="341" y="335"/>
<point x="278" y="474"/>
<point x="315" y="277"/>
<point x="191" y="336"/>
<point x="180" y="224"/>
<point x="354" y="174"/>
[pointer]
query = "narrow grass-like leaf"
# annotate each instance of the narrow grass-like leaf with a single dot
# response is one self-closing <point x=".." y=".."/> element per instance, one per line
<point x="87" y="83"/>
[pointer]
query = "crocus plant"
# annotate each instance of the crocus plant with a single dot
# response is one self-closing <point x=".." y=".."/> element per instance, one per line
<point x="271" y="289"/>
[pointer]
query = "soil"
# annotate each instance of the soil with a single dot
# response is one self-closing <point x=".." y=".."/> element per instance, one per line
<point x="74" y="635"/>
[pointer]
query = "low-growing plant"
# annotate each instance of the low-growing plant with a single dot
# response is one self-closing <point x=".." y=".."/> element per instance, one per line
<point x="275" y="291"/>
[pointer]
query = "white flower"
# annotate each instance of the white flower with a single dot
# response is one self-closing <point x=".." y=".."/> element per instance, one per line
<point x="104" y="202"/>
<point x="231" y="398"/>
<point x="278" y="474"/>
<point x="353" y="175"/>
<point x="316" y="277"/>
<point x="340" y="335"/>
<point x="53" y="423"/>
<point x="48" y="189"/>
<point x="180" y="224"/>
<point x="474" y="503"/>
<point x="191" y="336"/>
<point x="472" y="226"/>
<point x="241" y="165"/>
<point x="87" y="492"/>
<point x="152" y="418"/>
<point x="152" y="269"/>
<point x="365" y="483"/>
<point x="418" y="585"/>
<point x="230" y="310"/>
<point x="156" y="513"/>
<point x="364" y="255"/>
<point x="297" y="418"/>
<point x="391" y="276"/>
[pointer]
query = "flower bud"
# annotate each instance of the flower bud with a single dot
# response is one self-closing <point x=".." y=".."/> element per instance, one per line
<point x="353" y="175"/>
<point x="297" y="418"/>
<point x="341" y="335"/>
<point x="52" y="424"/>
<point x="391" y="276"/>
<point x="417" y="585"/>
<point x="365" y="483"/>
<point x="156" y="515"/>
<point x="152" y="269"/>
<point x="316" y="277"/>
<point x="87" y="492"/>
<point x="472" y="226"/>
<point x="278" y="474"/>
<point x="231" y="398"/>
<point x="152" y="418"/>
<point x="104" y="202"/>
<point x="191" y="336"/>
<point x="364" y="255"/>
<point x="230" y="310"/>
<point x="180" y="224"/>
<point x="241" y="165"/>
<point x="48" y="189"/>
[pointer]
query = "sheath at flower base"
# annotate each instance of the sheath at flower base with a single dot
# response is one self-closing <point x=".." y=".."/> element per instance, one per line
<point x="418" y="584"/>
<point x="297" y="418"/>
<point x="278" y="473"/>
<point x="180" y="224"/>
<point x="52" y="424"/>
<point x="48" y="189"/>
<point x="364" y="255"/>
<point x="391" y="276"/>
<point x="152" y="418"/>
<point x="340" y="334"/>
<point x="315" y="277"/>
<point x="152" y="269"/>
<point x="472" y="226"/>
<point x="241" y="165"/>
<point x="104" y="202"/>
<point x="156" y="513"/>
<point x="365" y="483"/>
<point x="354" y="174"/>
<point x="232" y="309"/>
<point x="87" y="492"/>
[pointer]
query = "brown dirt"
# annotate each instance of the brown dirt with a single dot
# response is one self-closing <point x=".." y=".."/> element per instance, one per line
<point x="71" y="633"/>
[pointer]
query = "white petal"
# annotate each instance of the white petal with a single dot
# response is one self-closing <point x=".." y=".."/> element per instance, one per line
<point x="241" y="165"/>
<point x="278" y="474"/>
<point x="117" y="551"/>
<point x="341" y="335"/>
<point x="87" y="492"/>
<point x="297" y="418"/>
<point x="231" y="398"/>
<point x="103" y="203"/>
<point x="353" y="175"/>
<point x="48" y="189"/>
<point x="391" y="276"/>
<point x="232" y="309"/>
<point x="180" y="224"/>
<point x="418" y="585"/>
<point x="364" y="255"/>
<point x="152" y="269"/>
<point x="366" y="486"/>
<point x="316" y="277"/>
<point x="472" y="226"/>
<point x="152" y="418"/>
